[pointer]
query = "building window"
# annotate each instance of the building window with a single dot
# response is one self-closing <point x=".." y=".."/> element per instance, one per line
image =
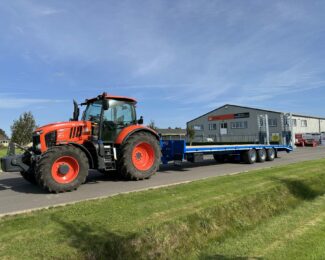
<point x="294" y="122"/>
<point x="239" y="125"/>
<point x="212" y="126"/>
<point x="273" y="122"/>
<point x="224" y="125"/>
<point x="198" y="127"/>
<point x="304" y="123"/>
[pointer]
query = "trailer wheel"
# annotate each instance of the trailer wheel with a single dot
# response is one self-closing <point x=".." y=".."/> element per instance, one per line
<point x="220" y="158"/>
<point x="62" y="168"/>
<point x="139" y="156"/>
<point x="270" y="154"/>
<point x="261" y="155"/>
<point x="249" y="156"/>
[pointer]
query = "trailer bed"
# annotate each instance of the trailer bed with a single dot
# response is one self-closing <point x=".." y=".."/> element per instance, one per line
<point x="235" y="147"/>
<point x="178" y="151"/>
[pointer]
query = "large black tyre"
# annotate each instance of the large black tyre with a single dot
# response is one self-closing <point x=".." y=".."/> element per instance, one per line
<point x="139" y="156"/>
<point x="74" y="170"/>
<point x="249" y="156"/>
<point x="261" y="155"/>
<point x="270" y="154"/>
<point x="29" y="175"/>
<point x="219" y="158"/>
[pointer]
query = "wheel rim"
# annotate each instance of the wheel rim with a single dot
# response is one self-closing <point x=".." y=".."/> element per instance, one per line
<point x="143" y="156"/>
<point x="71" y="167"/>
<point x="263" y="154"/>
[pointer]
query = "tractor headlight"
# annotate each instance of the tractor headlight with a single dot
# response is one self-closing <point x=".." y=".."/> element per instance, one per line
<point x="50" y="139"/>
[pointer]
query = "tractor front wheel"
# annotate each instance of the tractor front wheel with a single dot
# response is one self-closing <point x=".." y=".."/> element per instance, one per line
<point x="139" y="156"/>
<point x="29" y="175"/>
<point x="62" y="168"/>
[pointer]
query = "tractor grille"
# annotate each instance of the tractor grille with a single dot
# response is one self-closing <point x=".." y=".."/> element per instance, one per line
<point x="50" y="139"/>
<point x="75" y="131"/>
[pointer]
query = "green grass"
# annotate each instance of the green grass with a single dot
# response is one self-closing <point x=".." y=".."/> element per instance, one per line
<point x="3" y="152"/>
<point x="278" y="213"/>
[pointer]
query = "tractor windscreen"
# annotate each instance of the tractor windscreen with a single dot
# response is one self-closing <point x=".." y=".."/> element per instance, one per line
<point x="120" y="113"/>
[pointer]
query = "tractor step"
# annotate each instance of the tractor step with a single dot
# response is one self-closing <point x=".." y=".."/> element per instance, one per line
<point x="109" y="157"/>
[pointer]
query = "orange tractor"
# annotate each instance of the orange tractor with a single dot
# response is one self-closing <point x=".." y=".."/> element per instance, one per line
<point x="108" y="137"/>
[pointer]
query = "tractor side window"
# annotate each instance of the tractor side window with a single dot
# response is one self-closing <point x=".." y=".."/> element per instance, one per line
<point x="92" y="112"/>
<point x="120" y="113"/>
<point x="124" y="114"/>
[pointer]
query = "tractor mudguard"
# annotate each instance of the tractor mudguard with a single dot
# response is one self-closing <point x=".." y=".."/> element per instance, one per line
<point x="128" y="131"/>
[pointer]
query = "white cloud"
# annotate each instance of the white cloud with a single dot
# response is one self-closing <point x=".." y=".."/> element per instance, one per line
<point x="10" y="102"/>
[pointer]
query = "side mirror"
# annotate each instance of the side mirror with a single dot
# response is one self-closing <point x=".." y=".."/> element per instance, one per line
<point x="105" y="104"/>
<point x="140" y="121"/>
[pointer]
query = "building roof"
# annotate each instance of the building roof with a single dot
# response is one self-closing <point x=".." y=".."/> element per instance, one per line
<point x="259" y="109"/>
<point x="170" y="131"/>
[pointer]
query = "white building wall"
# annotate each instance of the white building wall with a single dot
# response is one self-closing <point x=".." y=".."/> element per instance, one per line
<point x="322" y="125"/>
<point x="313" y="125"/>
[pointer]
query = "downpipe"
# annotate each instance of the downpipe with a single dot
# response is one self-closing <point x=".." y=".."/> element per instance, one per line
<point x="16" y="163"/>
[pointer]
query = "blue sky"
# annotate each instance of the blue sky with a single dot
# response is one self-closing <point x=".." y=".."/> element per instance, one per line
<point x="180" y="58"/>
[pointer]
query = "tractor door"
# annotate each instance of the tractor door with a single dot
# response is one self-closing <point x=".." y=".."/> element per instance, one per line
<point x="119" y="115"/>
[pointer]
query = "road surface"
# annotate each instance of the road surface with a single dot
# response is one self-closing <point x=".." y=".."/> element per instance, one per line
<point x="17" y="195"/>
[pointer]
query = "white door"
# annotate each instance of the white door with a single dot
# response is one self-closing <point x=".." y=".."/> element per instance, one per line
<point x="223" y="128"/>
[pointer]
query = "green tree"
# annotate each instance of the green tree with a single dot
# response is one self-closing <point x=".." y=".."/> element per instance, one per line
<point x="22" y="129"/>
<point x="152" y="125"/>
<point x="3" y="134"/>
<point x="190" y="133"/>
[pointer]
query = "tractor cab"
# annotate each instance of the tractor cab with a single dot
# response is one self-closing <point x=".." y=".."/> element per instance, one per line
<point x="110" y="115"/>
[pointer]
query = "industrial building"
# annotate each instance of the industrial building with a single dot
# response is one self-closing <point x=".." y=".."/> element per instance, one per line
<point x="240" y="124"/>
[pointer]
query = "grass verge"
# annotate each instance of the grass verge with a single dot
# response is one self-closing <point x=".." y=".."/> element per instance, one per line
<point x="260" y="214"/>
<point x="3" y="152"/>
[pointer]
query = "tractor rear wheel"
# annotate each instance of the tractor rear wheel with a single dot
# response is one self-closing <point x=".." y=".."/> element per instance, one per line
<point x="62" y="168"/>
<point x="139" y="156"/>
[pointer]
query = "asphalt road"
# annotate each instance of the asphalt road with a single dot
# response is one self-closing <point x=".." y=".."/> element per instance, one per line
<point x="17" y="195"/>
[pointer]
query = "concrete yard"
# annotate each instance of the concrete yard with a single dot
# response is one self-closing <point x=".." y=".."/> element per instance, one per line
<point x="17" y="195"/>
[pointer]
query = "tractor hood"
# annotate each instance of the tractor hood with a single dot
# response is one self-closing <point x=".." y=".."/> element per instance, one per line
<point x="62" y="133"/>
<point x="61" y="125"/>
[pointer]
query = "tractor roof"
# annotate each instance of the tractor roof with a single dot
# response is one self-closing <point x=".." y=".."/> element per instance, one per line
<point x="108" y="96"/>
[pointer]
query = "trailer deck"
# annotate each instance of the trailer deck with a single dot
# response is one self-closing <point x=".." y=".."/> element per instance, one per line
<point x="178" y="151"/>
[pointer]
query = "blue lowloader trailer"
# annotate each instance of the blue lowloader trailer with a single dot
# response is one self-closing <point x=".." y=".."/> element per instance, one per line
<point x="178" y="151"/>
